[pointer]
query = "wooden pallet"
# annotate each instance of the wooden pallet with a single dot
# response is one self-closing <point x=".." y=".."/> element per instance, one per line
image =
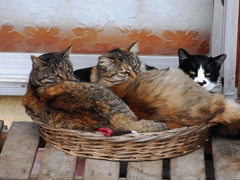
<point x="22" y="143"/>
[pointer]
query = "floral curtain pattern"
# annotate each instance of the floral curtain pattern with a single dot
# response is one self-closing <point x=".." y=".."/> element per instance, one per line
<point x="96" y="26"/>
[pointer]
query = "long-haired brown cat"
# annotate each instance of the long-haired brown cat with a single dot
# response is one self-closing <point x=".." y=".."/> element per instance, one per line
<point x="54" y="95"/>
<point x="167" y="96"/>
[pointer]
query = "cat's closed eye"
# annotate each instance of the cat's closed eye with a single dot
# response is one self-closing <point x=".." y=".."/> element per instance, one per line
<point x="133" y="62"/>
<point x="208" y="74"/>
<point x="192" y="72"/>
<point x="124" y="72"/>
<point x="49" y="79"/>
<point x="69" y="71"/>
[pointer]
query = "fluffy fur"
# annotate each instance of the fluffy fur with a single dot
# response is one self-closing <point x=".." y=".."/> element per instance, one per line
<point x="54" y="95"/>
<point x="160" y="96"/>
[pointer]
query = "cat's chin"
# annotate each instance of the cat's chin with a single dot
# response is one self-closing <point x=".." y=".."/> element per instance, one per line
<point x="209" y="86"/>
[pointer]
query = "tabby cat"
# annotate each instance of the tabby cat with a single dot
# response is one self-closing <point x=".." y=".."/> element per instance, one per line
<point x="128" y="55"/>
<point x="202" y="69"/>
<point x="160" y="96"/>
<point x="57" y="98"/>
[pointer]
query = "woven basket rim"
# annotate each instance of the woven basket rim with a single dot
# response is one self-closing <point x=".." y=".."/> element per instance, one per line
<point x="128" y="147"/>
<point x="132" y="136"/>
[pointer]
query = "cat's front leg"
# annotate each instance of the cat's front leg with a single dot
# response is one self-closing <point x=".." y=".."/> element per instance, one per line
<point x="144" y="126"/>
<point x="48" y="92"/>
<point x="121" y="121"/>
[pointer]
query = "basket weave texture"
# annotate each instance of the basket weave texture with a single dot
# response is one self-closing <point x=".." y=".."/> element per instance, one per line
<point x="128" y="147"/>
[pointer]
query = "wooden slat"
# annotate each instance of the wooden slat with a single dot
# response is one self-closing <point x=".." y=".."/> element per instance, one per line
<point x="1" y="135"/>
<point x="150" y="170"/>
<point x="1" y="125"/>
<point x="19" y="150"/>
<point x="101" y="170"/>
<point x="226" y="158"/>
<point x="57" y="165"/>
<point x="188" y="167"/>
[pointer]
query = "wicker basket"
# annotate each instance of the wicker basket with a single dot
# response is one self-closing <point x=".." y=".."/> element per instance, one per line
<point x="129" y="147"/>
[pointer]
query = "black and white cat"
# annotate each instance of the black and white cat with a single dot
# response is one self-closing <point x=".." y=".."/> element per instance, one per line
<point x="202" y="69"/>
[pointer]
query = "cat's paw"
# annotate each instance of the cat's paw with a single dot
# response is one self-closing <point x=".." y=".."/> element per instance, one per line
<point x="155" y="126"/>
<point x="143" y="126"/>
<point x="134" y="132"/>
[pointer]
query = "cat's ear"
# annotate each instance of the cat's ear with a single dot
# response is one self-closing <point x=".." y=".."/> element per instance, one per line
<point x="183" y="57"/>
<point x="37" y="62"/>
<point x="183" y="54"/>
<point x="67" y="52"/>
<point x="218" y="60"/>
<point x="105" y="63"/>
<point x="133" y="47"/>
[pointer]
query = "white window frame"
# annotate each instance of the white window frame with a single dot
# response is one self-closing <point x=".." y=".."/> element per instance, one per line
<point x="15" y="67"/>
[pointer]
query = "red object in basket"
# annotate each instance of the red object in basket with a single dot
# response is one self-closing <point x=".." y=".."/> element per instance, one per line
<point x="105" y="131"/>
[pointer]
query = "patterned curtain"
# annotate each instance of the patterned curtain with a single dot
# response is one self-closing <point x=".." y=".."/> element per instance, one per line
<point x="96" y="26"/>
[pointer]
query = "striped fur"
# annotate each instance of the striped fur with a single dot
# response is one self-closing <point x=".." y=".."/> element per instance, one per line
<point x="118" y="56"/>
<point x="171" y="97"/>
<point x="58" y="99"/>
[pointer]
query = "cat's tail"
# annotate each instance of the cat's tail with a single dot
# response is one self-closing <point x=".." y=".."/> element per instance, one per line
<point x="228" y="121"/>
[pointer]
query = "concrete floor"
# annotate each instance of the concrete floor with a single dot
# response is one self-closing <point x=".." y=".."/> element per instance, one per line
<point x="11" y="109"/>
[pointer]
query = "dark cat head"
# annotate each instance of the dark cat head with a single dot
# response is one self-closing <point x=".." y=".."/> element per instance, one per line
<point x="50" y="68"/>
<point x="111" y="64"/>
<point x="202" y="69"/>
<point x="118" y="65"/>
<point x="127" y="55"/>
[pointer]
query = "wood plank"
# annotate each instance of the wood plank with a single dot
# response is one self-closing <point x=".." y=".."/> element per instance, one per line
<point x="1" y="135"/>
<point x="150" y="170"/>
<point x="101" y="170"/>
<point x="188" y="167"/>
<point x="226" y="158"/>
<point x="1" y="125"/>
<point x="238" y="58"/>
<point x="19" y="150"/>
<point x="57" y="165"/>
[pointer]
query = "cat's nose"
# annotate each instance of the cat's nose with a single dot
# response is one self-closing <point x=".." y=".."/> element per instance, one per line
<point x="202" y="83"/>
<point x="64" y="77"/>
<point x="132" y="73"/>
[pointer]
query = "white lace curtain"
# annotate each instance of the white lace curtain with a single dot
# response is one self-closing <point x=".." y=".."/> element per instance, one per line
<point x="95" y="26"/>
